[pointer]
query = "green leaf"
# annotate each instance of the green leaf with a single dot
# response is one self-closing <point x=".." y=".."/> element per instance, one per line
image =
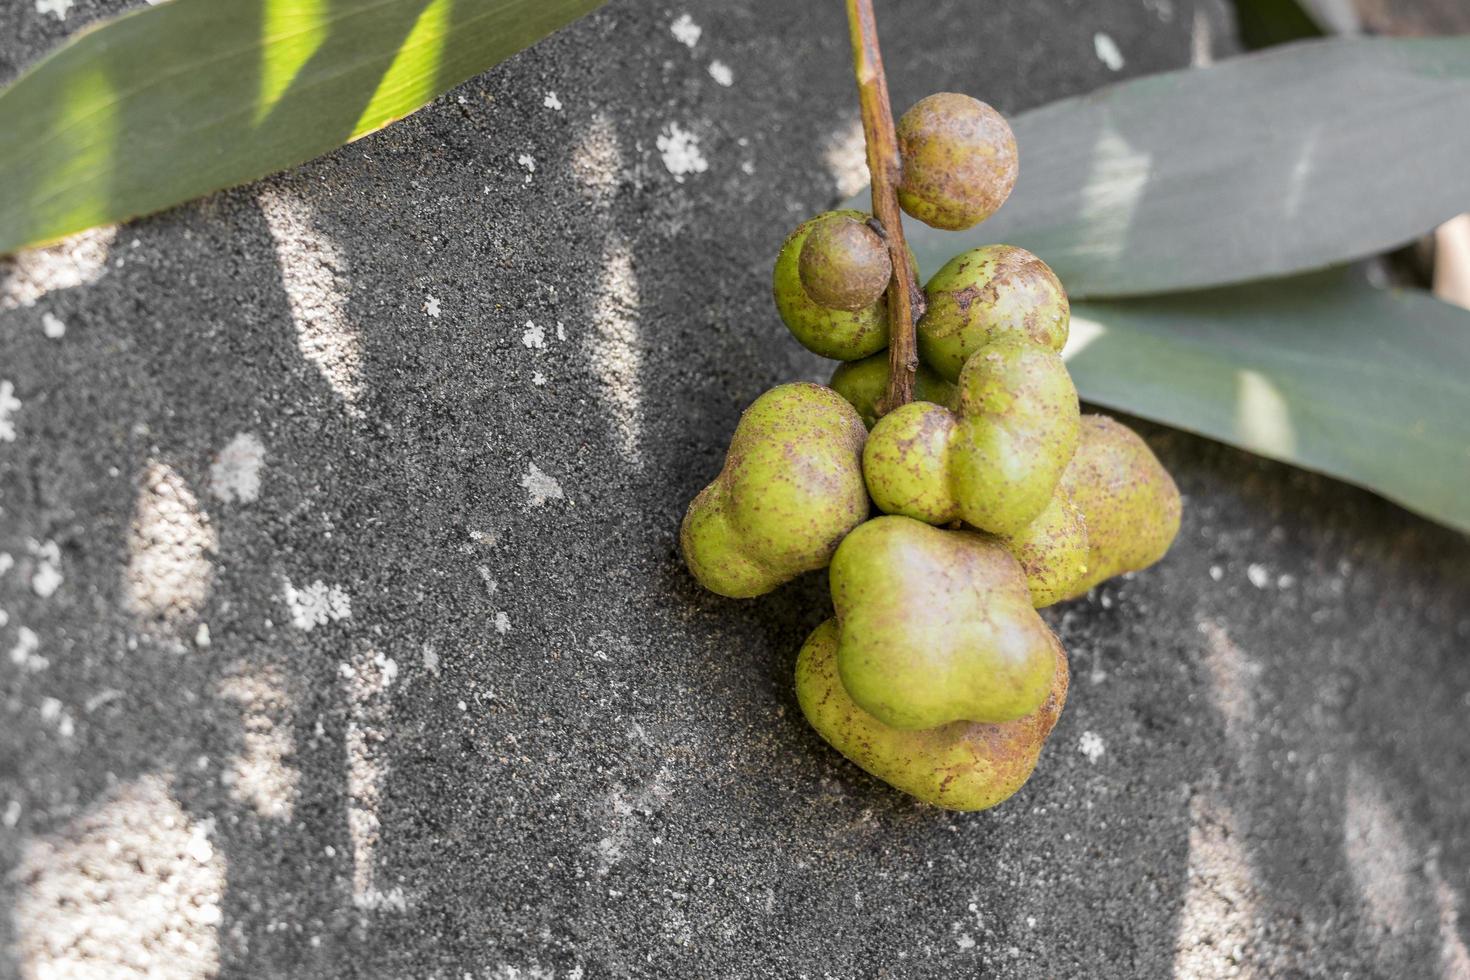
<point x="171" y="102"/>
<point x="1290" y="160"/>
<point x="1266" y="22"/>
<point x="1325" y="372"/>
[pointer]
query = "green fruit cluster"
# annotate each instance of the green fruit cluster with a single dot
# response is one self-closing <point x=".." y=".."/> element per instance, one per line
<point x="996" y="495"/>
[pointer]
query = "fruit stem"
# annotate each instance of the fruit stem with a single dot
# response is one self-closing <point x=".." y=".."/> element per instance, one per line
<point x="885" y="165"/>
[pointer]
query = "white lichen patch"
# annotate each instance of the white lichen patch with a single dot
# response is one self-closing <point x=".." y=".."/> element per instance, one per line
<point x="684" y="30"/>
<point x="628" y="809"/>
<point x="540" y="487"/>
<point x="552" y="102"/>
<point x="170" y="544"/>
<point x="23" y="654"/>
<point x="261" y="774"/>
<point x="52" y="326"/>
<point x="528" y="163"/>
<point x="57" y="7"/>
<point x="721" y="73"/>
<point x="615" y="346"/>
<point x="680" y="151"/>
<point x="1107" y="51"/>
<point x="533" y="337"/>
<point x="9" y="405"/>
<point x="130" y="889"/>
<point x="538" y="379"/>
<point x="76" y="261"/>
<point x="46" y="575"/>
<point x="1092" y="746"/>
<point x="502" y="623"/>
<point x="316" y="605"/>
<point x="313" y="273"/>
<point x="235" y="473"/>
<point x="431" y="306"/>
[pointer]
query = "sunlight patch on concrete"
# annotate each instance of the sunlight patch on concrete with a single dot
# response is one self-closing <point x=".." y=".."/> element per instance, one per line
<point x="1378" y="852"/>
<point x="313" y="274"/>
<point x="1218" y="916"/>
<point x="846" y="156"/>
<point x="615" y="346"/>
<point x="130" y="889"/>
<point x="170" y="546"/>
<point x="597" y="162"/>
<point x="368" y="682"/>
<point x="78" y="260"/>
<point x="261" y="774"/>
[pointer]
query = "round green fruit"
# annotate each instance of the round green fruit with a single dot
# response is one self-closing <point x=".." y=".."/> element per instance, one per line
<point x="960" y="766"/>
<point x="844" y="264"/>
<point x="790" y="491"/>
<point x="1127" y="499"/>
<point x="959" y="161"/>
<point x="987" y="293"/>
<point x="906" y="463"/>
<point x="865" y="382"/>
<point x="936" y="626"/>
<point x="1052" y="550"/>
<point x="1019" y="424"/>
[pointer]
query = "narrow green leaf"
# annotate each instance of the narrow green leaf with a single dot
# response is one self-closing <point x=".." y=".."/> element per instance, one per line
<point x="1325" y="372"/>
<point x="1293" y="159"/>
<point x="1264" y="23"/>
<point x="171" y="102"/>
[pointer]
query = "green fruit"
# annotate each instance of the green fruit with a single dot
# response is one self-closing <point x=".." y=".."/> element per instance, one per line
<point x="998" y="462"/>
<point x="959" y="161"/>
<point x="1128" y="501"/>
<point x="1018" y="427"/>
<point x="865" y="382"/>
<point x="986" y="293"/>
<point x="906" y="463"/>
<point x="842" y="334"/>
<point x="844" y="265"/>
<point x="936" y="626"/>
<point x="1052" y="550"/>
<point x="791" y="489"/>
<point x="961" y="766"/>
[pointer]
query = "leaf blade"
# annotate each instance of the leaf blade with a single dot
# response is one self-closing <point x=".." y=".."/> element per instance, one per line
<point x="1324" y="372"/>
<point x="1281" y="162"/>
<point x="168" y="103"/>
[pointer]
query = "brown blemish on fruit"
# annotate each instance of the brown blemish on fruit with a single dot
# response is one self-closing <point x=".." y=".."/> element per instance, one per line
<point x="844" y="264"/>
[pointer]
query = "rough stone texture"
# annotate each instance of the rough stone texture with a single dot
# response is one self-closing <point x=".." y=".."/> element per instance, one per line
<point x="418" y="679"/>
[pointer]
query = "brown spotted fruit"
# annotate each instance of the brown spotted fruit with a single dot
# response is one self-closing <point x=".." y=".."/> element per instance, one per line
<point x="790" y="490"/>
<point x="936" y="626"/>
<point x="986" y="293"/>
<point x="1053" y="550"/>
<point x="845" y="335"/>
<point x="906" y="463"/>
<point x="864" y="383"/>
<point x="961" y="766"/>
<point x="844" y="264"/>
<point x="959" y="161"/>
<point x="1127" y="499"/>
<point x="995" y="461"/>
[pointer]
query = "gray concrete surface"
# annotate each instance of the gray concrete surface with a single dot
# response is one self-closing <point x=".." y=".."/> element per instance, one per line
<point x="344" y="632"/>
